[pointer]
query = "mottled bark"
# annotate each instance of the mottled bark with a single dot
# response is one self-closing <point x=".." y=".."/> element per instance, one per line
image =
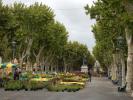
<point x="39" y="55"/>
<point x="114" y="68"/>
<point x="47" y="58"/>
<point x="129" y="78"/>
<point x="129" y="37"/>
<point x="123" y="70"/>
<point x="109" y="70"/>
<point x="26" y="52"/>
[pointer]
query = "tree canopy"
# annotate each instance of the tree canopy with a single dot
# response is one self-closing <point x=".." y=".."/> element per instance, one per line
<point x="111" y="20"/>
<point x="39" y="38"/>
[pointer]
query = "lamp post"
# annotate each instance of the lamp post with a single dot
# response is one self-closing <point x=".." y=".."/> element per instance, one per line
<point x="121" y="63"/>
<point x="13" y="49"/>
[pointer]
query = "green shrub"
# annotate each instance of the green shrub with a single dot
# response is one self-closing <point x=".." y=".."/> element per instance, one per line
<point x="73" y="88"/>
<point x="56" y="88"/>
<point x="13" y="85"/>
<point x="48" y="76"/>
<point x="55" y="81"/>
<point x="27" y="85"/>
<point x="26" y="76"/>
<point x="50" y="88"/>
<point x="62" y="88"/>
<point x="34" y="85"/>
<point x="85" y="76"/>
<point x="36" y="76"/>
<point x="11" y="76"/>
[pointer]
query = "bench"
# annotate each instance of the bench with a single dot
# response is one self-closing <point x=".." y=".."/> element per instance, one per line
<point x="122" y="88"/>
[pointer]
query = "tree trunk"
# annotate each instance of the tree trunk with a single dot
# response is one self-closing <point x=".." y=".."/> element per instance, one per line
<point x="48" y="58"/>
<point x="39" y="54"/>
<point x="65" y="65"/>
<point x="65" y="68"/>
<point x="21" y="58"/>
<point x="57" y="67"/>
<point x="114" y="68"/>
<point x="21" y="62"/>
<point x="109" y="70"/>
<point x="26" y="52"/>
<point x="52" y="68"/>
<point x="43" y="69"/>
<point x="71" y="68"/>
<point x="28" y="66"/>
<point x="0" y="59"/>
<point x="129" y="78"/>
<point x="123" y="70"/>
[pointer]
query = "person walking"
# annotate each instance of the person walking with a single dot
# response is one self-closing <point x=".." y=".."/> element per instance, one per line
<point x="16" y="74"/>
<point x="90" y="74"/>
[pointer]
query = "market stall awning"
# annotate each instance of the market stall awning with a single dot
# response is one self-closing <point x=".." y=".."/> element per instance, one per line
<point x="8" y="65"/>
<point x="2" y="65"/>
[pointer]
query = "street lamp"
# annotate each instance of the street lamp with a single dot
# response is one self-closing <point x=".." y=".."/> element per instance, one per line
<point x="120" y="42"/>
<point x="121" y="68"/>
<point x="13" y="49"/>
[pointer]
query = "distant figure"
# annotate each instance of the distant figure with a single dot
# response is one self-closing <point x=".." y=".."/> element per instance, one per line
<point x="16" y="74"/>
<point x="1" y="80"/>
<point x="34" y="70"/>
<point x="89" y="74"/>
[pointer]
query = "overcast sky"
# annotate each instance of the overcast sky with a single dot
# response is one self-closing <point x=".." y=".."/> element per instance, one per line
<point x="72" y="14"/>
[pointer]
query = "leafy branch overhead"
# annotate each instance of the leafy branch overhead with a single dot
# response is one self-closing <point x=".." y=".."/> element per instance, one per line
<point x="112" y="16"/>
<point x="39" y="37"/>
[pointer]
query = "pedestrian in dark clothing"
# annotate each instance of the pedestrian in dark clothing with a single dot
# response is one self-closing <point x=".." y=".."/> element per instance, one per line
<point x="16" y="74"/>
<point x="89" y="74"/>
<point x="1" y="82"/>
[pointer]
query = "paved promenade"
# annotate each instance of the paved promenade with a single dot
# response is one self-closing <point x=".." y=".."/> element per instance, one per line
<point x="99" y="89"/>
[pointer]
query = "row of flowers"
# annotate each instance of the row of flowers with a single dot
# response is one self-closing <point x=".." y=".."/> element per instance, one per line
<point x="59" y="82"/>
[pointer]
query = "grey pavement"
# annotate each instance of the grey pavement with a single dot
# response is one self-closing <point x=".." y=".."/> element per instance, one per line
<point x="98" y="89"/>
